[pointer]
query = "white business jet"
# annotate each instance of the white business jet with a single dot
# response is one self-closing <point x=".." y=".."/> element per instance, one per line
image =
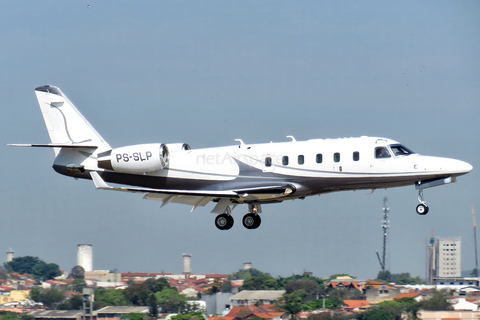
<point x="252" y="174"/>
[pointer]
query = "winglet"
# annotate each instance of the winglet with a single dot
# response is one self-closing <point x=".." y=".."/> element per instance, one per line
<point x="98" y="181"/>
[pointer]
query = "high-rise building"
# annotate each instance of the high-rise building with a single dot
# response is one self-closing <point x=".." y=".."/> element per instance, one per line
<point x="448" y="257"/>
<point x="10" y="255"/>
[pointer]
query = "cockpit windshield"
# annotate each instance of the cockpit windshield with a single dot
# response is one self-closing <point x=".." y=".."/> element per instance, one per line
<point x="399" y="150"/>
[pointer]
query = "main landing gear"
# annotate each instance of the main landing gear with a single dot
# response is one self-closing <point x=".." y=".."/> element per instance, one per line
<point x="422" y="208"/>
<point x="251" y="220"/>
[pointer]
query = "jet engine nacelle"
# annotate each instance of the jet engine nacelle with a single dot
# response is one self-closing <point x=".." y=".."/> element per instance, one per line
<point x="135" y="159"/>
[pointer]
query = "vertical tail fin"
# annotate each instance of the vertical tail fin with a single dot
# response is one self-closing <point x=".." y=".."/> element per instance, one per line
<point x="65" y="124"/>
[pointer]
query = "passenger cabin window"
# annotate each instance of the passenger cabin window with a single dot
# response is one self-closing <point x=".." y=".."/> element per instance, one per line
<point x="356" y="156"/>
<point x="319" y="158"/>
<point x="301" y="159"/>
<point x="285" y="160"/>
<point x="399" y="150"/>
<point x="336" y="157"/>
<point x="268" y="162"/>
<point x="382" y="153"/>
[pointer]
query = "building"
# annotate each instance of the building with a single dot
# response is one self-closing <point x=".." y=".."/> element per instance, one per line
<point x="217" y="303"/>
<point x="246" y="297"/>
<point x="448" y="258"/>
<point x="85" y="257"/>
<point x="115" y="313"/>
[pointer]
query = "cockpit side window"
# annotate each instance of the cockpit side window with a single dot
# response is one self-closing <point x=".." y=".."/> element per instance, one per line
<point x="382" y="153"/>
<point x="399" y="150"/>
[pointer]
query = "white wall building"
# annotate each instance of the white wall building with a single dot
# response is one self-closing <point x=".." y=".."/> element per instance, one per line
<point x="85" y="256"/>
<point x="448" y="257"/>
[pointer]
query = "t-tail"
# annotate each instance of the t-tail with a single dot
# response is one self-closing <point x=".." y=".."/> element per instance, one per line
<point x="75" y="142"/>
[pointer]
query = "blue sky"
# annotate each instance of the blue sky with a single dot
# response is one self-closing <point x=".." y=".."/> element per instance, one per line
<point x="209" y="72"/>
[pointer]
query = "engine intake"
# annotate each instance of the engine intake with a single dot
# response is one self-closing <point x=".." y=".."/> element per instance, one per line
<point x="136" y="159"/>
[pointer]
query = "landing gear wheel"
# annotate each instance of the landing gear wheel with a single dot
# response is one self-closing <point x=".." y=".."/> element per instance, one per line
<point x="422" y="209"/>
<point x="251" y="221"/>
<point x="224" y="221"/>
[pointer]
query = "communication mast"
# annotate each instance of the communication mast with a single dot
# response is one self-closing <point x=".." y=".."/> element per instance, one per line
<point x="385" y="226"/>
<point x="475" y="272"/>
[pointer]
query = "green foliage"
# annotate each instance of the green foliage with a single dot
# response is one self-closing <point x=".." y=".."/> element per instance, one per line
<point x="40" y="270"/>
<point x="78" y="285"/>
<point x="134" y="316"/>
<point x="78" y="272"/>
<point x="22" y="265"/>
<point x="156" y="285"/>
<point x="262" y="282"/>
<point x="49" y="297"/>
<point x="6" y="315"/>
<point x="292" y="303"/>
<point x="376" y="314"/>
<point x="399" y="278"/>
<point x="331" y="316"/>
<point x="152" y="306"/>
<point x="110" y="297"/>
<point x="310" y="286"/>
<point x="44" y="271"/>
<point x="245" y="274"/>
<point x="137" y="294"/>
<point x="227" y="287"/>
<point x="318" y="304"/>
<point x="72" y="303"/>
<point x="438" y="301"/>
<point x="215" y="287"/>
<point x="189" y="316"/>
<point x="170" y="300"/>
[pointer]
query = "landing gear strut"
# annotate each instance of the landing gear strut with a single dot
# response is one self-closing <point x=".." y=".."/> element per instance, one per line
<point x="224" y="221"/>
<point x="422" y="208"/>
<point x="252" y="220"/>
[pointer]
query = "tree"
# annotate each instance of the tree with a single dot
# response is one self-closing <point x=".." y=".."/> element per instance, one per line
<point x="227" y="287"/>
<point x="45" y="271"/>
<point x="292" y="303"/>
<point x="438" y="301"/>
<point x="385" y="276"/>
<point x="189" y="316"/>
<point x="245" y="274"/>
<point x="78" y="285"/>
<point x="376" y="314"/>
<point x="134" y="316"/>
<point x="331" y="316"/>
<point x="110" y="297"/>
<point x="137" y="293"/>
<point x="262" y="282"/>
<point x="78" y="272"/>
<point x="318" y="304"/>
<point x="22" y="265"/>
<point x="72" y="303"/>
<point x="49" y="297"/>
<point x="310" y="287"/>
<point x="156" y="285"/>
<point x="152" y="306"/>
<point x="215" y="287"/>
<point x="170" y="300"/>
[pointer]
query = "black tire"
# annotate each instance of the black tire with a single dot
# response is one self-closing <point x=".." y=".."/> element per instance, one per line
<point x="422" y="209"/>
<point x="223" y="221"/>
<point x="251" y="221"/>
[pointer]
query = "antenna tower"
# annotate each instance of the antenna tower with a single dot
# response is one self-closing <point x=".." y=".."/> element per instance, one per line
<point x="385" y="226"/>
<point x="475" y="273"/>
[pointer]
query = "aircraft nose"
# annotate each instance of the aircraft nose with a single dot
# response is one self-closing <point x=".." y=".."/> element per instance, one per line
<point x="458" y="167"/>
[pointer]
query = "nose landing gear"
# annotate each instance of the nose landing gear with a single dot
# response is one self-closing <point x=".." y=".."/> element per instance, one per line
<point x="422" y="208"/>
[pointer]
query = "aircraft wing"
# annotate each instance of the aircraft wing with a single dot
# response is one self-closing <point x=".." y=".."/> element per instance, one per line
<point x="195" y="198"/>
